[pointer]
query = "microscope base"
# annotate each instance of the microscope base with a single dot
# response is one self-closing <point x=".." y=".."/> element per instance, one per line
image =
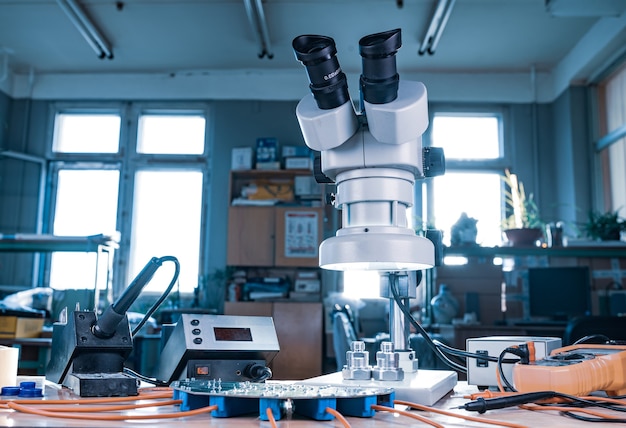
<point x="422" y="387"/>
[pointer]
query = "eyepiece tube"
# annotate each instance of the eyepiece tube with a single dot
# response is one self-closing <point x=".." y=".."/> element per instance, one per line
<point x="327" y="82"/>
<point x="379" y="79"/>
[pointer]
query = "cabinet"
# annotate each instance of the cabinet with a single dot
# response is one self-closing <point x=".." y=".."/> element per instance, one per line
<point x="299" y="331"/>
<point x="265" y="235"/>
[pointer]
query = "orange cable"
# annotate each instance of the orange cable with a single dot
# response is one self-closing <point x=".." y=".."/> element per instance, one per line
<point x="39" y="412"/>
<point x="339" y="416"/>
<point x="499" y="380"/>
<point x="407" y="414"/>
<point x="456" y="415"/>
<point x="100" y="400"/>
<point x="618" y="401"/>
<point x="487" y="394"/>
<point x="570" y="409"/>
<point x="270" y="417"/>
<point x="110" y="408"/>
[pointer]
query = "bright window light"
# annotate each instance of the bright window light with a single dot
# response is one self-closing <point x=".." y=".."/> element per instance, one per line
<point x="467" y="137"/>
<point x="86" y="204"/>
<point x="476" y="194"/>
<point x="167" y="212"/>
<point x="171" y="134"/>
<point x="361" y="284"/>
<point x="86" y="133"/>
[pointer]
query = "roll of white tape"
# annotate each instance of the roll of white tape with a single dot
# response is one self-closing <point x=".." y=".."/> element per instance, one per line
<point x="8" y="362"/>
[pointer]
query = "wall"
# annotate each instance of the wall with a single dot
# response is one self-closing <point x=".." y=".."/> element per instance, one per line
<point x="566" y="159"/>
<point x="237" y="124"/>
<point x="5" y="104"/>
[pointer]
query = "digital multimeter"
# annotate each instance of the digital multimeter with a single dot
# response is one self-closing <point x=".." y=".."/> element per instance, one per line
<point x="575" y="370"/>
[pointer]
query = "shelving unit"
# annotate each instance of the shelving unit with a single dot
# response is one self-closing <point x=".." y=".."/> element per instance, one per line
<point x="279" y="239"/>
<point x="102" y="245"/>
<point x="260" y="232"/>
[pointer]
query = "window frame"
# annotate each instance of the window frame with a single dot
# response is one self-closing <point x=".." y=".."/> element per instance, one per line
<point x="496" y="165"/>
<point x="128" y="161"/>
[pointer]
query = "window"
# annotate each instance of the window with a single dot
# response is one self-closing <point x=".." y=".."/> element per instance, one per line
<point x="473" y="148"/>
<point x="613" y="142"/>
<point x="171" y="134"/>
<point x="86" y="204"/>
<point x="86" y="133"/>
<point x="166" y="221"/>
<point x="361" y="284"/>
<point x="152" y="159"/>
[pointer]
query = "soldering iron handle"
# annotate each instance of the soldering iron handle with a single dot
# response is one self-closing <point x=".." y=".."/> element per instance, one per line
<point x="114" y="314"/>
<point x="130" y="294"/>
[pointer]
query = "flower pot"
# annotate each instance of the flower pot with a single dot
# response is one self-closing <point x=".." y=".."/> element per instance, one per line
<point x="523" y="237"/>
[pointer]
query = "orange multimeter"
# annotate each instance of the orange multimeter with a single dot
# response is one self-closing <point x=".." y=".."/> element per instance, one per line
<point x="575" y="370"/>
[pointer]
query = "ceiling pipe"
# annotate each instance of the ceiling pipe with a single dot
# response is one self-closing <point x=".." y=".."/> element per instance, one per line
<point x="256" y="17"/>
<point x="436" y="27"/>
<point x="87" y="29"/>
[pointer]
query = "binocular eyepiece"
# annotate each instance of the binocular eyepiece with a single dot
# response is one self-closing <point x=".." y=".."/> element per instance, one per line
<point x="379" y="78"/>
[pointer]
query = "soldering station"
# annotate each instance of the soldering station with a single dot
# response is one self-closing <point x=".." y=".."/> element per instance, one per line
<point x="370" y="153"/>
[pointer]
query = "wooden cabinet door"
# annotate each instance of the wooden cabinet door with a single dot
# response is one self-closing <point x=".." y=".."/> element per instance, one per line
<point x="299" y="331"/>
<point x="255" y="309"/>
<point x="250" y="236"/>
<point x="299" y="232"/>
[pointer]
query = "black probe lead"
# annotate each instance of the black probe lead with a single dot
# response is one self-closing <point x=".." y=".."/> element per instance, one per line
<point x="481" y="405"/>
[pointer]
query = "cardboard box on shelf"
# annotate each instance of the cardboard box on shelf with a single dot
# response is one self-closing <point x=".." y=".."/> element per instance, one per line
<point x="13" y="327"/>
<point x="241" y="158"/>
<point x="298" y="163"/>
<point x="266" y="150"/>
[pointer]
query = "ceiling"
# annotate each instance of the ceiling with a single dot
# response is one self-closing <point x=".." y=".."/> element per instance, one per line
<point x="205" y="42"/>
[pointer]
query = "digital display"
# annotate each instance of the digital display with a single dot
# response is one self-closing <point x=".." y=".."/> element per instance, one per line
<point x="232" y="334"/>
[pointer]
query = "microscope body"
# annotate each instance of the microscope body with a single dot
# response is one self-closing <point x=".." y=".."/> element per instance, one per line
<point x="374" y="158"/>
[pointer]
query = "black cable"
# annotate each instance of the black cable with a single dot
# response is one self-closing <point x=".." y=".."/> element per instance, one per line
<point x="586" y="339"/>
<point x="592" y="419"/>
<point x="483" y="404"/>
<point x="407" y="313"/>
<point x="520" y="352"/>
<point x="459" y="352"/>
<point x="143" y="378"/>
<point x="164" y="295"/>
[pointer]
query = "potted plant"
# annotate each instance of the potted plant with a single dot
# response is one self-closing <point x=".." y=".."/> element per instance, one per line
<point x="604" y="226"/>
<point x="523" y="226"/>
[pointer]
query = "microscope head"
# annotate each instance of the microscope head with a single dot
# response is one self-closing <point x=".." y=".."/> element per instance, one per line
<point x="374" y="156"/>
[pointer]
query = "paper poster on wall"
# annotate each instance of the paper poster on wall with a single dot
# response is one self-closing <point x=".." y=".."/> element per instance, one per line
<point x="301" y="234"/>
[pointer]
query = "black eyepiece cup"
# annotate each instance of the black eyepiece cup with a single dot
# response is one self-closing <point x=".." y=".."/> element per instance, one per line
<point x="327" y="82"/>
<point x="379" y="79"/>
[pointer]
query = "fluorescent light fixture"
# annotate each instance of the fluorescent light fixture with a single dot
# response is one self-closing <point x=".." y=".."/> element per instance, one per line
<point x="256" y="16"/>
<point x="435" y="29"/>
<point x="87" y="29"/>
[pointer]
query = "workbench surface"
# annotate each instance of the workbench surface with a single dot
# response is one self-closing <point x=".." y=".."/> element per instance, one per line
<point x="12" y="418"/>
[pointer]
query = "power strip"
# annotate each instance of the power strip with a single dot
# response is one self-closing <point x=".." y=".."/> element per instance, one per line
<point x="483" y="373"/>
